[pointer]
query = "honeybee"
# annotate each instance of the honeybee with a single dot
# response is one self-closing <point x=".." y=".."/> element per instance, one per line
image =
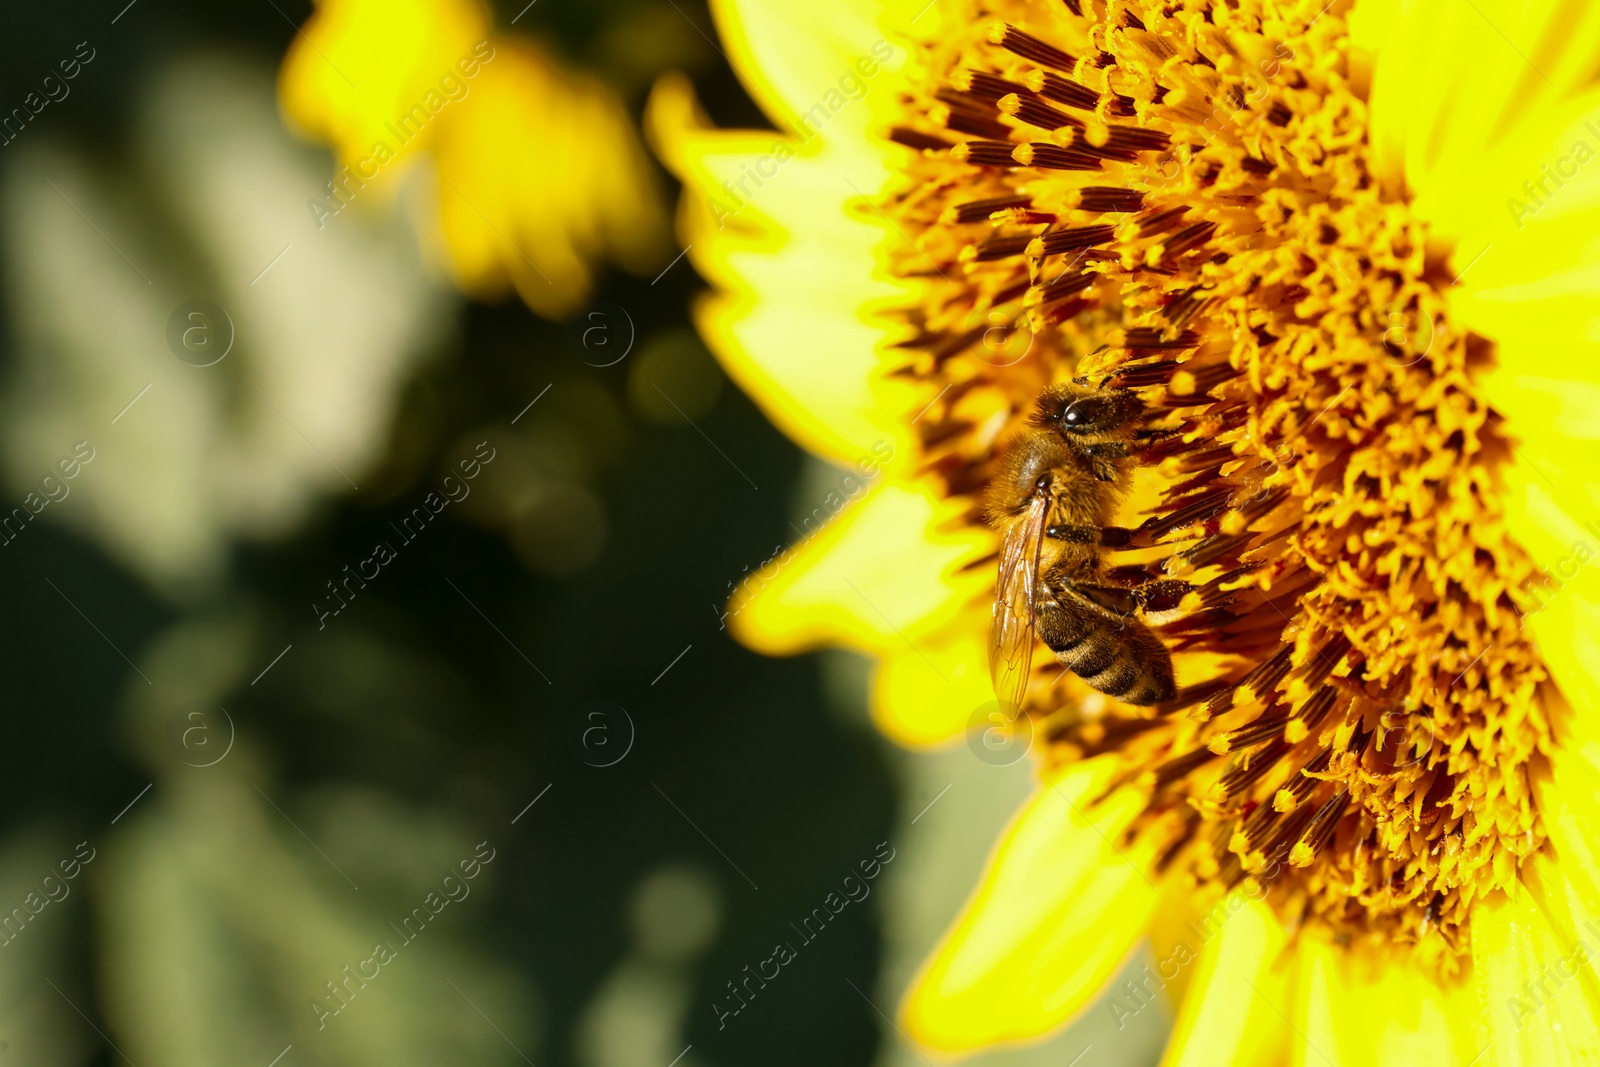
<point x="1054" y="497"/>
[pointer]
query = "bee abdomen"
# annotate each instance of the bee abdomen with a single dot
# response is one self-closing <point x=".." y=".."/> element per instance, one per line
<point x="1119" y="656"/>
<point x="1144" y="678"/>
<point x="1096" y="655"/>
<point x="1119" y="679"/>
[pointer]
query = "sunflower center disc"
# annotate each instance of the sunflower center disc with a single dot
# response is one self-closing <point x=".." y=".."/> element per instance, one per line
<point x="1178" y="198"/>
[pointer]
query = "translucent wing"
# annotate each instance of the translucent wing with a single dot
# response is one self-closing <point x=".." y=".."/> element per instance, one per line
<point x="1011" y="634"/>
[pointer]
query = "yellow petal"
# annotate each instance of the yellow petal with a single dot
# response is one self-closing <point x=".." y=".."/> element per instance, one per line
<point x="359" y="65"/>
<point x="1550" y="418"/>
<point x="927" y="695"/>
<point x="1356" y="1010"/>
<point x="1536" y="1007"/>
<point x="540" y="175"/>
<point x="1569" y="807"/>
<point x="1526" y="226"/>
<point x="1057" y="912"/>
<point x="539" y="170"/>
<point x="1535" y="1013"/>
<point x="876" y="578"/>
<point x="796" y="57"/>
<point x="794" y="278"/>
<point x="1239" y="991"/>
<point x="1454" y="77"/>
<point x="1564" y="877"/>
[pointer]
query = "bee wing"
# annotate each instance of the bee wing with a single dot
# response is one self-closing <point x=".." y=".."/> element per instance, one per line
<point x="1011" y="633"/>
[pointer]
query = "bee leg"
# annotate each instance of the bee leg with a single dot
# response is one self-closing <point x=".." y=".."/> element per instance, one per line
<point x="1085" y="580"/>
<point x="1102" y="458"/>
<point x="1117" y="601"/>
<point x="1107" y="449"/>
<point x="1134" y="575"/>
<point x="1112" y="537"/>
<point x="1134" y="588"/>
<point x="1104" y="536"/>
<point x="1163" y="595"/>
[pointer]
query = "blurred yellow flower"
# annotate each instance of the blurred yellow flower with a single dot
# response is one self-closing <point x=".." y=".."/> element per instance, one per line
<point x="539" y="170"/>
<point x="1348" y="256"/>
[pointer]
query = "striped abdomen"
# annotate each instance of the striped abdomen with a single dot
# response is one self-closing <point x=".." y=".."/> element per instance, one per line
<point x="1116" y="654"/>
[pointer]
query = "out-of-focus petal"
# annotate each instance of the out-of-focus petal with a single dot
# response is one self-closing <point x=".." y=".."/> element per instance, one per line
<point x="1058" y="909"/>
<point x="927" y="695"/>
<point x="540" y="176"/>
<point x="539" y="172"/>
<point x="1454" y="77"/>
<point x="1357" y="1010"/>
<point x="1538" y="1007"/>
<point x="1544" y="490"/>
<point x="358" y="66"/>
<point x="1240" y="987"/>
<point x="796" y="282"/>
<point x="876" y="578"/>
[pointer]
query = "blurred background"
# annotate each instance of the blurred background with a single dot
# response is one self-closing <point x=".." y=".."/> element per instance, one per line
<point x="371" y="510"/>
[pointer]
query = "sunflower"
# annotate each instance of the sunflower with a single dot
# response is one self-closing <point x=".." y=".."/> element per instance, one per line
<point x="539" y="170"/>
<point x="1347" y="255"/>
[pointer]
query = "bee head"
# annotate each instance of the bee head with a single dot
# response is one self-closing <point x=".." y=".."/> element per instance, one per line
<point x="1079" y="410"/>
